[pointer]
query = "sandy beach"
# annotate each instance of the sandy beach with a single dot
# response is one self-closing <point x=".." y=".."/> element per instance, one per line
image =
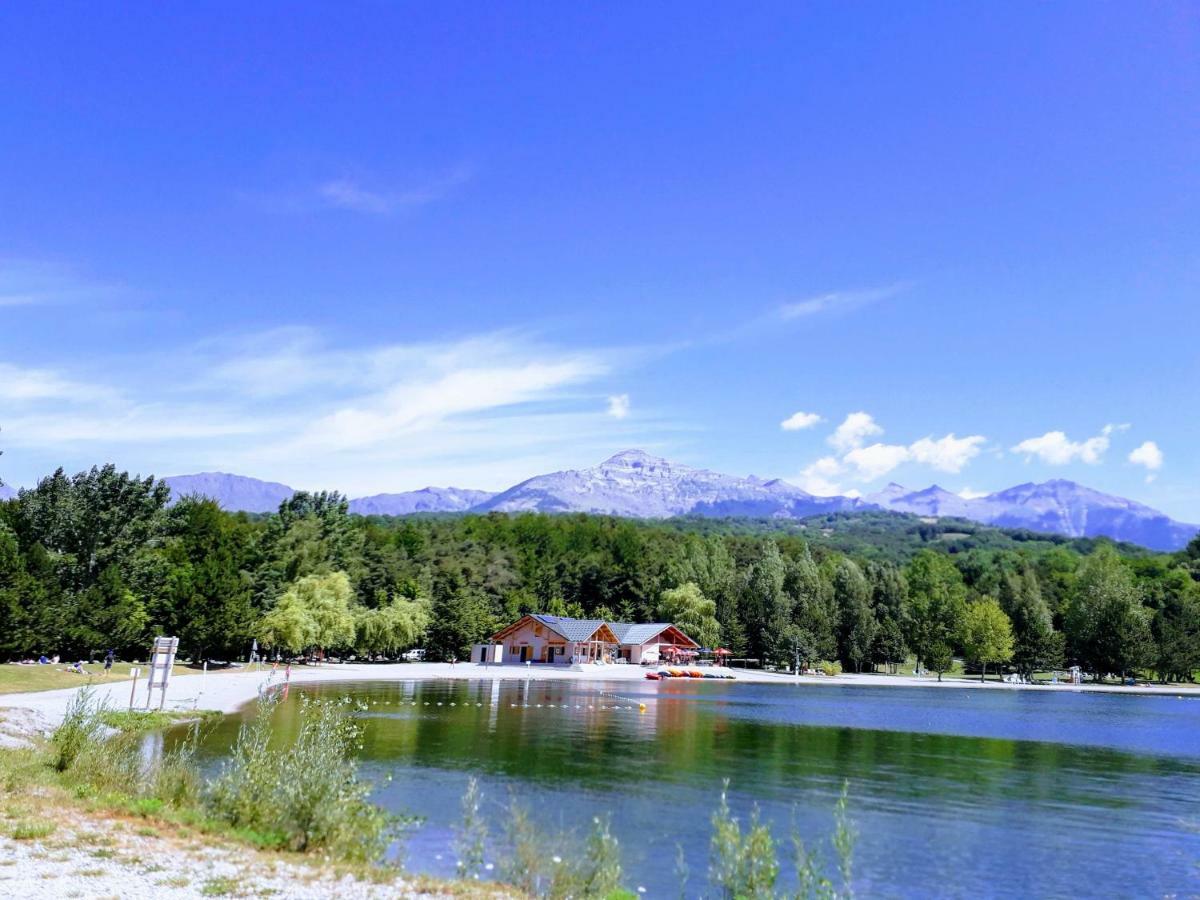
<point x="228" y="691"/>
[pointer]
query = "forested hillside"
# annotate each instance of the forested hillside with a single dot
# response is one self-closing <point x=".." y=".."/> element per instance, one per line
<point x="98" y="560"/>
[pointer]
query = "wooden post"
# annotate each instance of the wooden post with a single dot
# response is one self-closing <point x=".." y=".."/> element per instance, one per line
<point x="133" y="673"/>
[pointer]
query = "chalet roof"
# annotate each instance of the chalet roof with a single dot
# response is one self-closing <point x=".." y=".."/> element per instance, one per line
<point x="632" y="633"/>
<point x="585" y="629"/>
<point x="571" y="629"/>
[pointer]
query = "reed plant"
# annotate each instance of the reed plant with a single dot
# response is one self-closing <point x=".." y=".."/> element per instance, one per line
<point x="557" y="866"/>
<point x="81" y="728"/>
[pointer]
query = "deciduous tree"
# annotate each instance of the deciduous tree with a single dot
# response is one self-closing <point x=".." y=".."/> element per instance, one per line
<point x="987" y="634"/>
<point x="695" y="615"/>
<point x="1107" y="628"/>
<point x="937" y="600"/>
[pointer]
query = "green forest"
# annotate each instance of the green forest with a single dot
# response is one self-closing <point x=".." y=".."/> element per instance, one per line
<point x="101" y="560"/>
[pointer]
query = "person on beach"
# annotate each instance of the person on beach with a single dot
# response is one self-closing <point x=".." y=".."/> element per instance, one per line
<point x="108" y="662"/>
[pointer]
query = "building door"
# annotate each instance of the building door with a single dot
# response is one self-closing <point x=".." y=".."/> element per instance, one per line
<point x="524" y="654"/>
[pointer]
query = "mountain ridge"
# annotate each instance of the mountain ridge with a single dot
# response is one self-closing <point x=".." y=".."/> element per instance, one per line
<point x="635" y="484"/>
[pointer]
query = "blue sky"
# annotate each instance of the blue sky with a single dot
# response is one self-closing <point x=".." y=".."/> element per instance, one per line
<point x="386" y="245"/>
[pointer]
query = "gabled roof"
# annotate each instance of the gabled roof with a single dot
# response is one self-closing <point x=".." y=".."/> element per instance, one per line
<point x="628" y="633"/>
<point x="631" y="633"/>
<point x="571" y="629"/>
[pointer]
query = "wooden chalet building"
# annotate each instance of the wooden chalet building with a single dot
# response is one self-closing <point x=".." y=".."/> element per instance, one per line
<point x="558" y="640"/>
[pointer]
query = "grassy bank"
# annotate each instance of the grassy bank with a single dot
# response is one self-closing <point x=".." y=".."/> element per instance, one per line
<point x="20" y="679"/>
<point x="304" y="807"/>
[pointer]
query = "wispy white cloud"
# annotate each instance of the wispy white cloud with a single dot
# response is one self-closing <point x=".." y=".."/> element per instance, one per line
<point x="22" y="385"/>
<point x="346" y="194"/>
<point x="367" y="195"/>
<point x="33" y="283"/>
<point x="353" y="195"/>
<point x="12" y="300"/>
<point x="837" y="301"/>
<point x="969" y="494"/>
<point x="1056" y="449"/>
<point x="798" y="421"/>
<point x="618" y="406"/>
<point x="291" y="406"/>
<point x="792" y="313"/>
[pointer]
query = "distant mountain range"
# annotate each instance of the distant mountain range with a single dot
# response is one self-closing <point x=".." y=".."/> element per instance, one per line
<point x="635" y="484"/>
<point x="638" y="485"/>
<point x="234" y="492"/>
<point x="1058" y="506"/>
<point x="6" y="492"/>
<point x="430" y="499"/>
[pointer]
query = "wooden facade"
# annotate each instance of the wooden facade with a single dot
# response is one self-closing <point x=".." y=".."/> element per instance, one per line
<point x="558" y="640"/>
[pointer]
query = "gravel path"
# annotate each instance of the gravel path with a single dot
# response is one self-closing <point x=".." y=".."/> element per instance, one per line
<point x="97" y="858"/>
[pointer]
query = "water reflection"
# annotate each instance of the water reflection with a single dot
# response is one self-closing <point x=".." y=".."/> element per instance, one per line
<point x="986" y="810"/>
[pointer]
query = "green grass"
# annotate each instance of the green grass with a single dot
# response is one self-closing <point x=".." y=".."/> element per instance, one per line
<point x="137" y="721"/>
<point x="18" y="679"/>
<point x="220" y="887"/>
<point x="31" y="831"/>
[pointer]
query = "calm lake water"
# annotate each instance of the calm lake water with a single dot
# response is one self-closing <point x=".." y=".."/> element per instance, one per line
<point x="954" y="793"/>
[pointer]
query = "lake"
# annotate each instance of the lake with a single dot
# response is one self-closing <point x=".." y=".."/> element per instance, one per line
<point x="954" y="792"/>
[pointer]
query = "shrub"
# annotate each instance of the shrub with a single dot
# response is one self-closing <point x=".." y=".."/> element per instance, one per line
<point x="81" y="728"/>
<point x="744" y="866"/>
<point x="472" y="833"/>
<point x="831" y="668"/>
<point x="175" y="778"/>
<point x="600" y="873"/>
<point x="543" y="865"/>
<point x="747" y="866"/>
<point x="146" y="806"/>
<point x="526" y="858"/>
<point x="308" y="794"/>
<point x="111" y="766"/>
<point x="32" y="831"/>
<point x="813" y="883"/>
